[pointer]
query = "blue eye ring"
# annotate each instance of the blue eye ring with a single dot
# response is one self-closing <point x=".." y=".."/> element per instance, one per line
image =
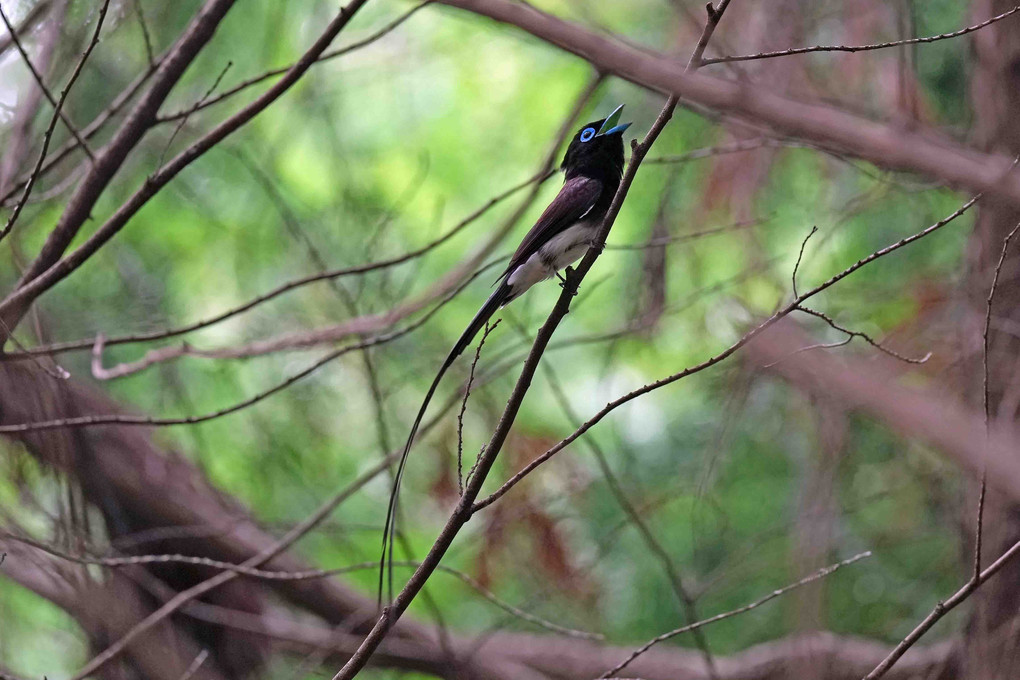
<point x="587" y="134"/>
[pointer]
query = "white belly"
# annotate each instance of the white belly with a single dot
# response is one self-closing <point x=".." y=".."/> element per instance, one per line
<point x="566" y="247"/>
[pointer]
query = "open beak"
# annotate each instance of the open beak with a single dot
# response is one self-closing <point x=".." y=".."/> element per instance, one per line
<point x="611" y="127"/>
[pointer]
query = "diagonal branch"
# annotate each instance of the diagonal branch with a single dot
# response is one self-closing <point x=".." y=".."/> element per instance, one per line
<point x="465" y="505"/>
<point x="861" y="48"/>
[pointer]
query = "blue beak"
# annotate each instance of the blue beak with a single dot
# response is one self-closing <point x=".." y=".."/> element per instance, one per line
<point x="611" y="126"/>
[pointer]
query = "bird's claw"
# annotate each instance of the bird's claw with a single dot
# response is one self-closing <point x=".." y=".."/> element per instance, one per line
<point x="568" y="272"/>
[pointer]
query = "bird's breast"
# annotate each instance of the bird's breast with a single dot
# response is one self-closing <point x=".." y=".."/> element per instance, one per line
<point x="553" y="255"/>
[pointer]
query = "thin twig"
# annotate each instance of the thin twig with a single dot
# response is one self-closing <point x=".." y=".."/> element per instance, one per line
<point x="821" y="573"/>
<point x="58" y="107"/>
<point x="463" y="405"/>
<point x="863" y="336"/>
<point x="690" y="236"/>
<point x="42" y="86"/>
<point x="985" y="400"/>
<point x="145" y="32"/>
<point x="306" y="575"/>
<point x="860" y="48"/>
<point x="800" y="255"/>
<point x="184" y="119"/>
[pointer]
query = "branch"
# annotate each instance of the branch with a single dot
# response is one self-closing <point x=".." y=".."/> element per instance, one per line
<point x="861" y="48"/>
<point x="821" y="573"/>
<point x="94" y="420"/>
<point x="260" y="558"/>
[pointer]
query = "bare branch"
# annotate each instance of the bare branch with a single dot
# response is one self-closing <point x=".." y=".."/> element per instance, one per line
<point x="91" y="421"/>
<point x="985" y="399"/>
<point x="463" y="405"/>
<point x="821" y="573"/>
<point x="861" y="48"/>
<point x="800" y="255"/>
<point x="851" y="334"/>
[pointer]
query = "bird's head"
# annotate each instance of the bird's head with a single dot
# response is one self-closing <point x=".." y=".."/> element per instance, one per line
<point x="597" y="148"/>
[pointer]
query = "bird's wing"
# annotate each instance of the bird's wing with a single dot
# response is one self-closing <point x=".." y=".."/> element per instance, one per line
<point x="577" y="197"/>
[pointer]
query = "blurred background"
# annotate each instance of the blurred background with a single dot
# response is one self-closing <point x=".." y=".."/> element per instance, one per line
<point x="694" y="499"/>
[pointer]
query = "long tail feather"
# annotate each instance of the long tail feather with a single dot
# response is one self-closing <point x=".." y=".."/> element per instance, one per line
<point x="499" y="297"/>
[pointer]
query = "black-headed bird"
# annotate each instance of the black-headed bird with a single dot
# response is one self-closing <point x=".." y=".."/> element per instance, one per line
<point x="592" y="168"/>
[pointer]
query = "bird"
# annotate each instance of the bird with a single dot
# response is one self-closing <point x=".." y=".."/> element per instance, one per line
<point x="592" y="167"/>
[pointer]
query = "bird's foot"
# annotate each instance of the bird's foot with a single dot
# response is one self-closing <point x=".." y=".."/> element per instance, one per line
<point x="568" y="273"/>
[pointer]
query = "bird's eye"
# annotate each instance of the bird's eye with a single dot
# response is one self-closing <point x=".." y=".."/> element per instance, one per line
<point x="587" y="134"/>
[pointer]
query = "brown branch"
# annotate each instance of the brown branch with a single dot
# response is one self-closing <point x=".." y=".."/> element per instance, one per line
<point x="118" y="419"/>
<point x="267" y="575"/>
<point x="851" y="334"/>
<point x="861" y="48"/>
<point x="985" y="398"/>
<point x="463" y="404"/>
